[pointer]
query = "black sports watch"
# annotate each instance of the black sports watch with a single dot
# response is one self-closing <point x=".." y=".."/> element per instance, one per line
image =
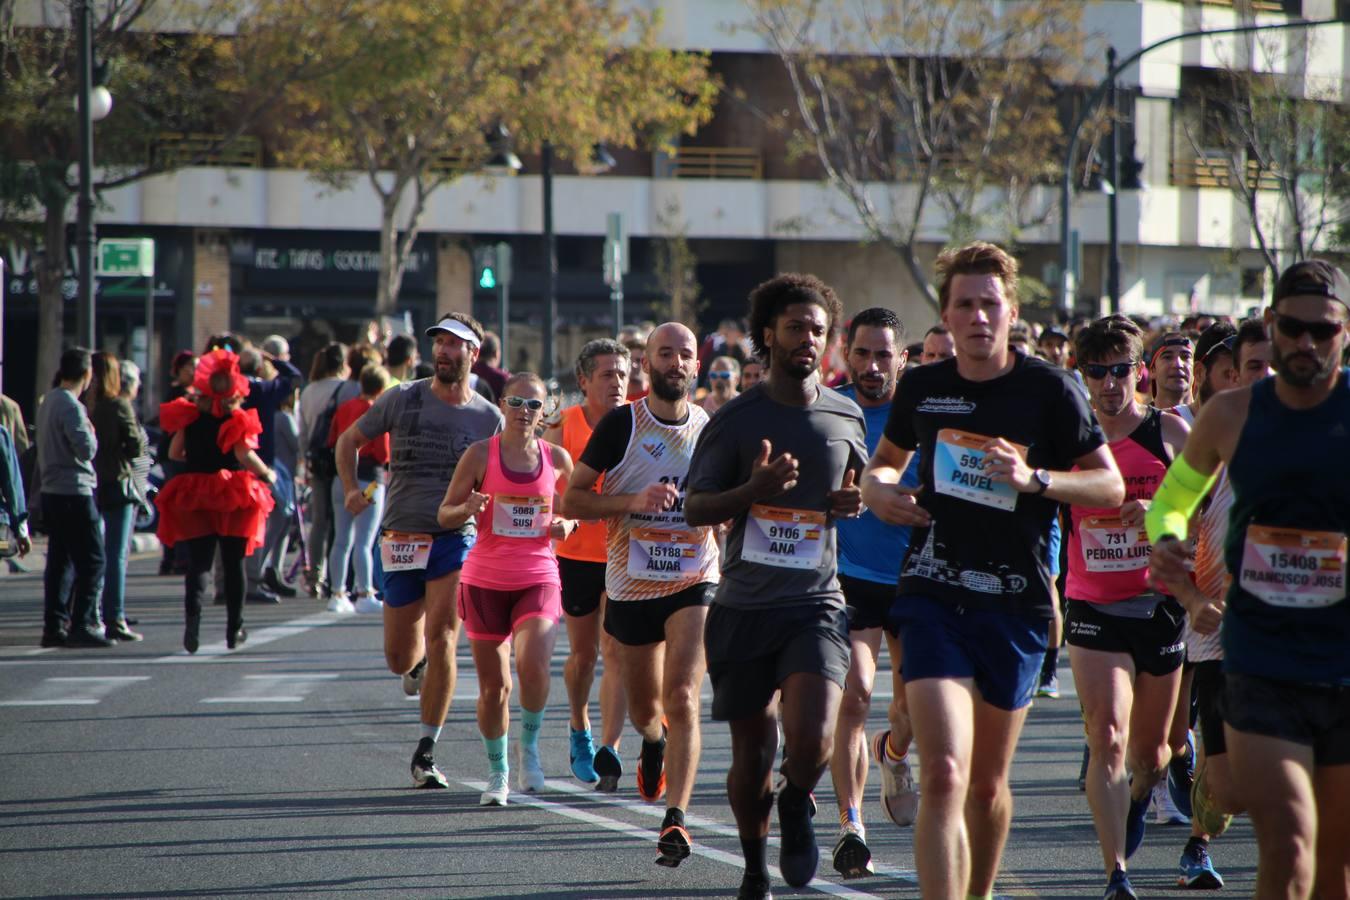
<point x="1043" y="478"/>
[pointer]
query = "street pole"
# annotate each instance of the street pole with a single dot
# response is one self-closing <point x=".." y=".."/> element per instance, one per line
<point x="1113" y="199"/>
<point x="550" y="263"/>
<point x="84" y="214"/>
<point x="148" y="403"/>
<point x="1071" y="151"/>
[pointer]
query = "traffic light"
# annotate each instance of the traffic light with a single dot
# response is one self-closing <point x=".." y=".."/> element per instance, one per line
<point x="492" y="266"/>
<point x="487" y="278"/>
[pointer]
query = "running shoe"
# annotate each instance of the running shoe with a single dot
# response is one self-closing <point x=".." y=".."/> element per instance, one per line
<point x="1136" y="820"/>
<point x="798" y="855"/>
<point x="1181" y="777"/>
<point x="531" y="777"/>
<point x="852" y="859"/>
<point x="1197" y="872"/>
<point x="651" y="771"/>
<point x="608" y="769"/>
<point x="1165" y="811"/>
<point x="754" y="887"/>
<point x="1119" y="887"/>
<point x="1211" y="821"/>
<point x="424" y="771"/>
<point x="899" y="795"/>
<point x="582" y="756"/>
<point x="673" y="846"/>
<point x="339" y="604"/>
<point x="368" y="604"/>
<point x="412" y="679"/>
<point x="1049" y="687"/>
<point x="497" y="790"/>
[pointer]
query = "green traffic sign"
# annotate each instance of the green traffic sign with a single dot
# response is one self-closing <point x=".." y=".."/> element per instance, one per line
<point x="132" y="258"/>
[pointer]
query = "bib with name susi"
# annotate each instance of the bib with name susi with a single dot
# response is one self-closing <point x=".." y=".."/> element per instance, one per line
<point x="786" y="538"/>
<point x="958" y="470"/>
<point x="1294" y="568"/>
<point x="400" y="552"/>
<point x="515" y="516"/>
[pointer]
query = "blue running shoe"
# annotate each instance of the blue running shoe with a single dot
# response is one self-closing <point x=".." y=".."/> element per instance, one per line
<point x="1134" y="825"/>
<point x="1180" y="777"/>
<point x="582" y="756"/>
<point x="1119" y="888"/>
<point x="1197" y="872"/>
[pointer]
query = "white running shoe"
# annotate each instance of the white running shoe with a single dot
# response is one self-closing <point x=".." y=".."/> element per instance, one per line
<point x="367" y="604"/>
<point x="341" y="605"/>
<point x="412" y="679"/>
<point x="899" y="794"/>
<point x="497" y="790"/>
<point x="1165" y="811"/>
<point x="531" y="777"/>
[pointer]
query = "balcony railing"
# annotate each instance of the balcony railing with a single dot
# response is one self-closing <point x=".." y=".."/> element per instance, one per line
<point x="715" y="162"/>
<point x="1253" y="5"/>
<point x="172" y="150"/>
<point x="1211" y="172"/>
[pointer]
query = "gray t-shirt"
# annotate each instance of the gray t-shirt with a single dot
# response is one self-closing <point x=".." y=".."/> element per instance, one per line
<point x="427" y="436"/>
<point x="782" y="550"/>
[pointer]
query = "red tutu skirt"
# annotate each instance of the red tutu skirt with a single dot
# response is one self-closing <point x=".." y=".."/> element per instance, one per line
<point x="226" y="503"/>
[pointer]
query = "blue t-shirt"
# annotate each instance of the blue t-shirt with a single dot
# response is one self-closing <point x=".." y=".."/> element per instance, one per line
<point x="869" y="548"/>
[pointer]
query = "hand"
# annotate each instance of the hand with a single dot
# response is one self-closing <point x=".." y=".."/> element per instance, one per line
<point x="25" y="545"/>
<point x="1132" y="513"/>
<point x="1003" y="464"/>
<point x="899" y="505"/>
<point x="657" y="497"/>
<point x="561" y="529"/>
<point x="1206" y="617"/>
<point x="769" y="477"/>
<point x="475" y="503"/>
<point x="355" y="501"/>
<point x="270" y="476"/>
<point x="1167" y="563"/>
<point x="847" y="502"/>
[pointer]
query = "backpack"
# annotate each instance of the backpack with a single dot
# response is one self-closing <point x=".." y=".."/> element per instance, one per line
<point x="321" y="459"/>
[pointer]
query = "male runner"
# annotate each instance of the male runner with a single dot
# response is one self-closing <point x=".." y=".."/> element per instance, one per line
<point x="1124" y="639"/>
<point x="431" y="422"/>
<point x="661" y="569"/>
<point x="937" y="345"/>
<point x="869" y="565"/>
<point x="602" y="376"/>
<point x="1251" y="352"/>
<point x="999" y="433"/>
<point x="780" y="462"/>
<point x="1286" y="622"/>
<point x="1171" y="362"/>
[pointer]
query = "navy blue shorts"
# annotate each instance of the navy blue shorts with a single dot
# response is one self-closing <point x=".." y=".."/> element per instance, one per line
<point x="448" y="552"/>
<point x="1002" y="652"/>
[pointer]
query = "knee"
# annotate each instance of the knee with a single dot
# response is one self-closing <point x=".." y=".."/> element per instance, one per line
<point x="942" y="779"/>
<point x="988" y="793"/>
<point x="1287" y="852"/>
<point x="401" y="659"/>
<point x="681" y="701"/>
<point x="855" y="702"/>
<point x="810" y="745"/>
<point x="1106" y="738"/>
<point x="581" y="660"/>
<point x="644" y="712"/>
<point x="494" y="693"/>
<point x="1150" y="757"/>
<point x="533" y="671"/>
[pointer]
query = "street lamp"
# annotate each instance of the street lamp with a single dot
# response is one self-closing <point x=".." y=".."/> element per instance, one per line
<point x="93" y="103"/>
<point x="1071" y="152"/>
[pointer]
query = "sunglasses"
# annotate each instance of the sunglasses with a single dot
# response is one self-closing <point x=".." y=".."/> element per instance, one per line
<point x="1294" y="328"/>
<point x="532" y="404"/>
<point x="1097" y="371"/>
<point x="719" y="376"/>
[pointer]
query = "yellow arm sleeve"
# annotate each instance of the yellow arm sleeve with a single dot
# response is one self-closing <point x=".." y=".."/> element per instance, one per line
<point x="1176" y="500"/>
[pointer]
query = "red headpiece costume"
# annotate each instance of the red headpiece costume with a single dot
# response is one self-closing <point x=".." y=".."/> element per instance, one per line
<point x="217" y="362"/>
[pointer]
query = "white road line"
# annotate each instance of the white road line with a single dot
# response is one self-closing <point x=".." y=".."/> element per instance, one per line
<point x="696" y="824"/>
<point x="266" y="688"/>
<point x="210" y="652"/>
<point x="73" y="691"/>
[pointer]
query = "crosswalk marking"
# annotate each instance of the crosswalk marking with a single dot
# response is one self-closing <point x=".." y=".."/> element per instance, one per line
<point x="270" y="688"/>
<point x="73" y="691"/>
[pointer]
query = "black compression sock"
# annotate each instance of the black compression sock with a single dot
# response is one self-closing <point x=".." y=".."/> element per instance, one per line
<point x="674" y="816"/>
<point x="1051" y="664"/>
<point x="756" y="851"/>
<point x="1197" y="842"/>
<point x="792" y="796"/>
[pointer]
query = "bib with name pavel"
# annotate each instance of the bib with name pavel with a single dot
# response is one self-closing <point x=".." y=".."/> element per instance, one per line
<point x="1294" y="568"/>
<point x="1109" y="545"/>
<point x="958" y="470"/>
<point x="402" y="552"/>
<point x="521" y="516"/>
<point x="786" y="538"/>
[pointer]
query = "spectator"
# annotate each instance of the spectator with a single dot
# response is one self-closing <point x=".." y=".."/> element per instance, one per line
<point x="286" y="464"/>
<point x="358" y="357"/>
<point x="66" y="449"/>
<point x="266" y="396"/>
<point x="11" y="416"/>
<point x="181" y="371"/>
<point x="13" y="505"/>
<point x="752" y="372"/>
<point x="487" y="368"/>
<point x="638" y="380"/>
<point x="354" y="537"/>
<point x="724" y="377"/>
<point x="400" y="357"/>
<point x="327" y="374"/>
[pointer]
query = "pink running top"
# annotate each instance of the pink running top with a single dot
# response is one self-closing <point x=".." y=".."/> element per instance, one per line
<point x="513" y="550"/>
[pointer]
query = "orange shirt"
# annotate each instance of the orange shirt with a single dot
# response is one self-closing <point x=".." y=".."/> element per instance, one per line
<point x="587" y="543"/>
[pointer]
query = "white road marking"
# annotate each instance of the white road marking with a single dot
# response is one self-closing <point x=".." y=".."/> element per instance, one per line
<point x="73" y="691"/>
<point x="209" y="652"/>
<point x="267" y="688"/>
<point x="696" y="824"/>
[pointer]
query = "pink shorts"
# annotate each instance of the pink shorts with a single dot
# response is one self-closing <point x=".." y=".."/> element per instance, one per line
<point x="491" y="615"/>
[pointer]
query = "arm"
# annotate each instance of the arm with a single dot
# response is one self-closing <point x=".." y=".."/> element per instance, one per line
<point x="1174" y="432"/>
<point x="882" y="491"/>
<point x="1206" y="614"/>
<point x="348" y="446"/>
<point x="561" y="528"/>
<point x="133" y="441"/>
<point x="769" y="477"/>
<point x="178" y="447"/>
<point x="253" y="463"/>
<point x="79" y="432"/>
<point x="462" y="500"/>
<point x="581" y="502"/>
<point x="1096" y="482"/>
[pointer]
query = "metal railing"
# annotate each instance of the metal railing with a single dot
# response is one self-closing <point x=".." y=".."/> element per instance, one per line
<point x="1253" y="5"/>
<point x="715" y="162"/>
<point x="171" y="150"/>
<point x="1217" y="172"/>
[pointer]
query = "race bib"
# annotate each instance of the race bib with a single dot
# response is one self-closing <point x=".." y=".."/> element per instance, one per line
<point x="1109" y="545"/>
<point x="1294" y="568"/>
<point x="786" y="538"/>
<point x="958" y="470"/>
<point x="657" y="554"/>
<point x="401" y="552"/>
<point x="521" y="516"/>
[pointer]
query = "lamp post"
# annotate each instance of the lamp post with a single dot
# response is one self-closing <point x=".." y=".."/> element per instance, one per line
<point x="1113" y="198"/>
<point x="550" y="261"/>
<point x="1071" y="152"/>
<point x="84" y="210"/>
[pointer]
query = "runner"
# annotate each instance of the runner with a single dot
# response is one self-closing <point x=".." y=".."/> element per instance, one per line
<point x="431" y="422"/>
<point x="937" y="345"/>
<point x="509" y="590"/>
<point x="602" y="376"/>
<point x="779" y="621"/>
<point x="998" y="433"/>
<point x="1286" y="624"/>
<point x="661" y="571"/>
<point x="1171" y="362"/>
<point x="1124" y="639"/>
<point x="869" y="555"/>
<point x="1251" y="352"/>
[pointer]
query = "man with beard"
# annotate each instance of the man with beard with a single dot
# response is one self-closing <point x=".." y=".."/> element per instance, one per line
<point x="431" y="422"/>
<point x="780" y="462"/>
<point x="1251" y="352"/>
<point x="1216" y="368"/>
<point x="661" y="570"/>
<point x="1286" y="622"/>
<point x="869" y="565"/>
<point x="1171" y="364"/>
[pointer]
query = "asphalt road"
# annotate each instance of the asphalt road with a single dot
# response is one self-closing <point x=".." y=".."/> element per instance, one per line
<point x="282" y="768"/>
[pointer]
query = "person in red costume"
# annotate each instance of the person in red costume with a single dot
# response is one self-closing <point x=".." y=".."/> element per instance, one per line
<point x="222" y="497"/>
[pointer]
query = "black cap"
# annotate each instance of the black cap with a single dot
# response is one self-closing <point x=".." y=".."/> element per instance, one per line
<point x="1313" y="277"/>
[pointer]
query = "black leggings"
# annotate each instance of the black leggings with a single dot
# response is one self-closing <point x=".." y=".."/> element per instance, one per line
<point x="201" y="555"/>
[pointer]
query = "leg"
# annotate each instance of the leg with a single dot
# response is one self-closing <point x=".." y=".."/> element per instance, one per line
<point x="1278" y="776"/>
<point x="682" y="680"/>
<point x="55" y="589"/>
<point x="321" y="518"/>
<point x="642" y="668"/>
<point x="201" y="554"/>
<point x="442" y="633"/>
<point x="492" y="662"/>
<point x="583" y="641"/>
<point x="754" y="745"/>
<point x="534" y="639"/>
<point x="116" y="544"/>
<point x="1331" y="790"/>
<point x="404" y="641"/>
<point x="810" y="712"/>
<point x="613" y="703"/>
<point x="86" y="554"/>
<point x="849" y="762"/>
<point x="365" y="528"/>
<point x="232" y="558"/>
<point x="1151" y="718"/>
<point x="343" y="538"/>
<point x="989" y="803"/>
<point x="1105" y="691"/>
<point x="902" y="731"/>
<point x="943" y="711"/>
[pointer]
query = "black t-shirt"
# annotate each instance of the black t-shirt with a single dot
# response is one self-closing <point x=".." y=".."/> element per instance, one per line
<point x="986" y="547"/>
<point x="609" y="439"/>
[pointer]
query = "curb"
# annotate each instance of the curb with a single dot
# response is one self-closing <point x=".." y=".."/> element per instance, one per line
<point x="145" y="543"/>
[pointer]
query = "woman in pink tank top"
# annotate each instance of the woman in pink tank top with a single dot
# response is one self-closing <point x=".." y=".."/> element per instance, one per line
<point x="509" y="589"/>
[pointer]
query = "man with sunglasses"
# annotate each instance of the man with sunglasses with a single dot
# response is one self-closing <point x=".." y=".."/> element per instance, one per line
<point x="1286" y="622"/>
<point x="1124" y="639"/>
<point x="661" y="572"/>
<point x="430" y="423"/>
<point x="1171" y="369"/>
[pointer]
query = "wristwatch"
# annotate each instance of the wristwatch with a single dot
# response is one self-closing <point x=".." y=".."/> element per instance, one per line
<point x="1043" y="479"/>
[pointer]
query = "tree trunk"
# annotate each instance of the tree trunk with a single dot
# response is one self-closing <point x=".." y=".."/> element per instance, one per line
<point x="917" y="275"/>
<point x="387" y="285"/>
<point x="51" y="276"/>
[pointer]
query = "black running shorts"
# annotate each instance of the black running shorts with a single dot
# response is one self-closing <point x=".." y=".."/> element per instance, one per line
<point x="1314" y="715"/>
<point x="582" y="584"/>
<point x="637" y="623"/>
<point x="1154" y="643"/>
<point x="868" y="602"/>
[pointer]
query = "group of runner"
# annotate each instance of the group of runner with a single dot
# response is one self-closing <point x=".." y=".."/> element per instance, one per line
<point x="775" y="544"/>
